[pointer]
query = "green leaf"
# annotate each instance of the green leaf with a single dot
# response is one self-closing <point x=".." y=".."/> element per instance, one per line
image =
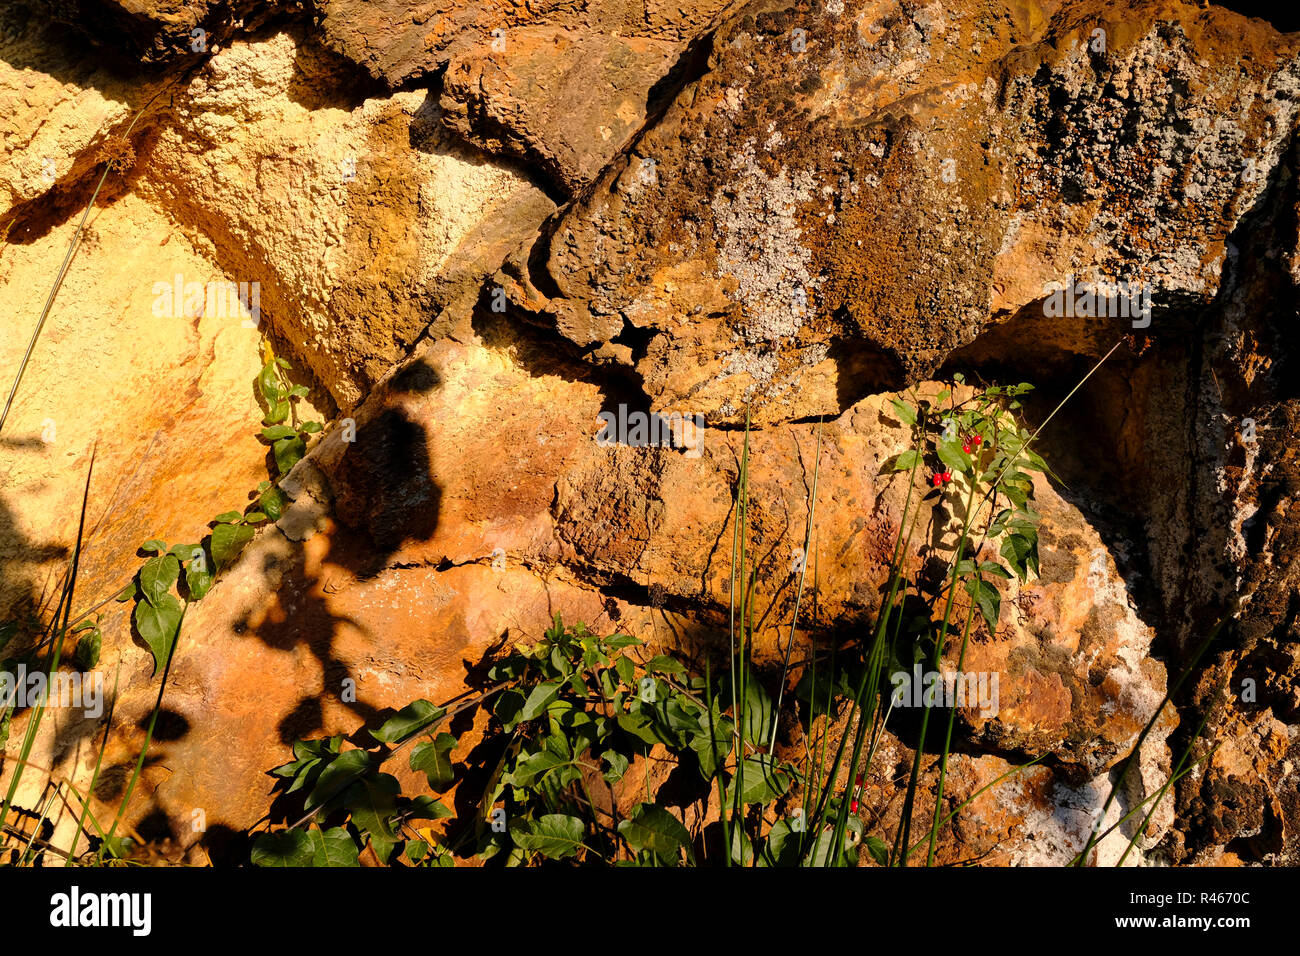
<point x="424" y="807"/>
<point x="157" y="577"/>
<point x="87" y="652"/>
<point x="127" y="593"/>
<point x="782" y="846"/>
<point x="154" y="546"/>
<point x="433" y="759"/>
<point x="878" y="849"/>
<point x="271" y="501"/>
<point x="989" y="600"/>
<point x="198" y="576"/>
<point x="254" y="517"/>
<point x="310" y="428"/>
<point x="554" y="835"/>
<point x="229" y="517"/>
<point x="1021" y="552"/>
<point x="334" y="779"/>
<point x="992" y="567"/>
<point x="906" y="414"/>
<point x="618" y="765"/>
<point x="539" y="699"/>
<point x="763" y="781"/>
<point x="528" y="770"/>
<point x="742" y="850"/>
<point x="227" y="541"/>
<point x="416" y="850"/>
<point x="760" y="716"/>
<point x="158" y="624"/>
<point x="950" y="454"/>
<point x="286" y="848"/>
<point x="268" y="383"/>
<point x="277" y="411"/>
<point x="408" y="722"/>
<point x="663" y="664"/>
<point x="619" y="641"/>
<point x="652" y="828"/>
<point x="288" y="452"/>
<point x="276" y="432"/>
<point x="906" y="461"/>
<point x="298" y="391"/>
<point x="373" y="803"/>
<point x="333" y="848"/>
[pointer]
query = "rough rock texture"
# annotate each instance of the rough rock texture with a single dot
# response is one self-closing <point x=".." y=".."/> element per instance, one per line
<point x="475" y="242"/>
<point x="843" y="199"/>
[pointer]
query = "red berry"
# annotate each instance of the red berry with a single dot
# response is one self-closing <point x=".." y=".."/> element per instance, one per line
<point x="966" y="449"/>
<point x="976" y="440"/>
<point x="938" y="478"/>
<point x="853" y="807"/>
<point x="947" y="476"/>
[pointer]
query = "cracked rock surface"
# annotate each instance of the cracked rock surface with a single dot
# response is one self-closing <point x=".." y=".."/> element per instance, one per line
<point x="477" y="227"/>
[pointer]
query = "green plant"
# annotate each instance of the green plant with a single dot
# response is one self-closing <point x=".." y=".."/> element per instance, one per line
<point x="288" y="442"/>
<point x="569" y="715"/>
<point x="167" y="582"/>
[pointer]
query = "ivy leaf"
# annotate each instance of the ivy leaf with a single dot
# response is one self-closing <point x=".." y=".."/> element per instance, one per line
<point x="374" y="804"/>
<point x="408" y="722"/>
<point x="654" y="829"/>
<point x="286" y="848"/>
<point x="334" y="778"/>
<point x="554" y="835"/>
<point x="158" y="576"/>
<point x="227" y="541"/>
<point x="158" y="624"/>
<point x="433" y="759"/>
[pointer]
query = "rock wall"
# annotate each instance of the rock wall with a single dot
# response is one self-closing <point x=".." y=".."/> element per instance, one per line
<point x="476" y="228"/>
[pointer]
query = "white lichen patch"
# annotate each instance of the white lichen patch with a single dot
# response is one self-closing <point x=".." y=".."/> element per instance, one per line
<point x="758" y="233"/>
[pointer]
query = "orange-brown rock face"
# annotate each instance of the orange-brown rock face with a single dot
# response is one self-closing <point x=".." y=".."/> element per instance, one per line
<point x="481" y="232"/>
